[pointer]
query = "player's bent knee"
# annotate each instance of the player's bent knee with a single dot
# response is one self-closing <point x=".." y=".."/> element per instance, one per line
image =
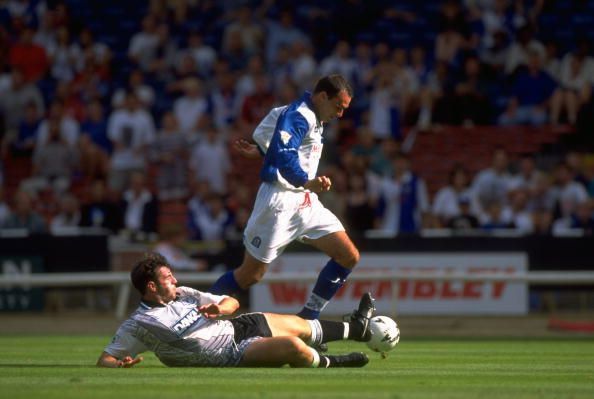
<point x="297" y="352"/>
<point x="349" y="259"/>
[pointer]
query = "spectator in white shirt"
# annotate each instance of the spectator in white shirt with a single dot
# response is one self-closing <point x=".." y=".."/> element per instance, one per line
<point x="69" y="127"/>
<point x="131" y="130"/>
<point x="171" y="247"/>
<point x="210" y="161"/>
<point x="570" y="192"/>
<point x="191" y="109"/>
<point x="447" y="200"/>
<point x="491" y="185"/>
<point x="143" y="44"/>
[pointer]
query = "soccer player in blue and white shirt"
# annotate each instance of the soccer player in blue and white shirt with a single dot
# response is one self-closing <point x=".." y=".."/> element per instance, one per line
<point x="287" y="206"/>
<point x="182" y="327"/>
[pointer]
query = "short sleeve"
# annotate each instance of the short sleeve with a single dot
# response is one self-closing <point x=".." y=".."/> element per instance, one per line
<point x="124" y="343"/>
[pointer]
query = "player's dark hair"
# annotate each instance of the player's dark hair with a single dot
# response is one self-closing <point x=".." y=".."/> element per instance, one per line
<point x="332" y="85"/>
<point x="146" y="270"/>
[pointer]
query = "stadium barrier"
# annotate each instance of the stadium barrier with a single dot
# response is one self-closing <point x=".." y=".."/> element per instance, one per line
<point x="122" y="280"/>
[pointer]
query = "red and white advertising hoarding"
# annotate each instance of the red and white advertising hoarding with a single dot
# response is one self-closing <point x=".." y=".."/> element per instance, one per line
<point x="426" y="297"/>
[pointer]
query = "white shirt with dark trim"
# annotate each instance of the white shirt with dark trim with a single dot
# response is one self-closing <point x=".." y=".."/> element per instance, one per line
<point x="178" y="333"/>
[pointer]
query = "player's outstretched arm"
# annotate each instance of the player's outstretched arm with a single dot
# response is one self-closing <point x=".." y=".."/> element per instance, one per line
<point x="246" y="149"/>
<point x="226" y="306"/>
<point x="106" y="360"/>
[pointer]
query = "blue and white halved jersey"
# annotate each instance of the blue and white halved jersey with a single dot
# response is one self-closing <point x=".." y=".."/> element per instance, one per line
<point x="178" y="334"/>
<point x="291" y="138"/>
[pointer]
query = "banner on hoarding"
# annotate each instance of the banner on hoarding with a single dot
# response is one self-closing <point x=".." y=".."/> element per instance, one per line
<point x="427" y="297"/>
<point x="20" y="298"/>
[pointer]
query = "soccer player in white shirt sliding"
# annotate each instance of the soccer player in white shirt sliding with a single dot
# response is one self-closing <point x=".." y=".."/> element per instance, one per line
<point x="287" y="206"/>
<point x="182" y="326"/>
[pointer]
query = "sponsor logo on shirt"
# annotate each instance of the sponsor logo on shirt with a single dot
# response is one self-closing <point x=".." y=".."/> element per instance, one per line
<point x="186" y="322"/>
<point x="285" y="137"/>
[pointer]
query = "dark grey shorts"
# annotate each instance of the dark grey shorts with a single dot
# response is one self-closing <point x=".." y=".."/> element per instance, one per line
<point x="250" y="325"/>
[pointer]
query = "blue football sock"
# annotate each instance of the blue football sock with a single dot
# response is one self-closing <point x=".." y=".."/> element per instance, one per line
<point x="330" y="279"/>
<point x="226" y="285"/>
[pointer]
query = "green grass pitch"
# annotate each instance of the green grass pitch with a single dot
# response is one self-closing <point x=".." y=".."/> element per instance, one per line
<point x="63" y="367"/>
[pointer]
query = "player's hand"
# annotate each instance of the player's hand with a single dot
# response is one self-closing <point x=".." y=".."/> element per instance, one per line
<point x="128" y="362"/>
<point x="319" y="184"/>
<point x="210" y="311"/>
<point x="246" y="149"/>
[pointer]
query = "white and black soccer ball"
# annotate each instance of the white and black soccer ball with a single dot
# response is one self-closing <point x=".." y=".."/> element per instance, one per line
<point x="385" y="334"/>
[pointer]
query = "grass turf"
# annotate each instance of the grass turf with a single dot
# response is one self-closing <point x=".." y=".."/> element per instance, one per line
<point x="63" y="367"/>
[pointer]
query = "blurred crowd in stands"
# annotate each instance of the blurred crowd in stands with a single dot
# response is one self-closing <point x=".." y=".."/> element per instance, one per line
<point x="122" y="114"/>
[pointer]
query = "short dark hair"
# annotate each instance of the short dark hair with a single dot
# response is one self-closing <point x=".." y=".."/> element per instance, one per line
<point x="332" y="85"/>
<point x="146" y="270"/>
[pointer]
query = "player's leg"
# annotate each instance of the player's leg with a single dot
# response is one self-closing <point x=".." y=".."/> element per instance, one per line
<point x="316" y="332"/>
<point x="278" y="351"/>
<point x="248" y="273"/>
<point x="344" y="256"/>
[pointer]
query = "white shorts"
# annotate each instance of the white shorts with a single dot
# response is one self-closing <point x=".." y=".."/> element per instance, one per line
<point x="281" y="216"/>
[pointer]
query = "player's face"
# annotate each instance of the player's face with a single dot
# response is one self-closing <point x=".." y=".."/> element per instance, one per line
<point x="166" y="284"/>
<point x="334" y="107"/>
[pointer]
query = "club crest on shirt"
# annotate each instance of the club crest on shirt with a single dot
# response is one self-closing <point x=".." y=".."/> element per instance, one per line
<point x="285" y="137"/>
<point x="256" y="242"/>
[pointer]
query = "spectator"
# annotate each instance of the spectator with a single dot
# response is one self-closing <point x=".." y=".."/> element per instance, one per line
<point x="69" y="127"/>
<point x="302" y="64"/>
<point x="143" y="44"/>
<point x="257" y="104"/>
<point x="281" y="34"/>
<point x="523" y="50"/>
<point x="15" y="98"/>
<point x="170" y="153"/>
<point x="339" y="62"/>
<point x="571" y="193"/>
<point x="98" y="52"/>
<point x="139" y="207"/>
<point x="518" y="212"/>
<point x="131" y="130"/>
<point x="136" y="84"/>
<point x="100" y="211"/>
<point x="531" y="94"/>
<point x="24" y="143"/>
<point x="251" y="33"/>
<point x="64" y="56"/>
<point x="170" y="246"/>
<point x="211" y="221"/>
<point x="192" y="108"/>
<point x="23" y="216"/>
<point x="528" y="174"/>
<point x="471" y="102"/>
<point x="210" y="162"/>
<point x="28" y="57"/>
<point x="95" y="127"/>
<point x="446" y="205"/>
<point x="360" y="204"/>
<point x="494" y="218"/>
<point x="491" y="185"/>
<point x="53" y="164"/>
<point x="69" y="215"/>
<point x="202" y="54"/>
<point x="581" y="219"/>
<point x="404" y="202"/>
<point x="575" y="85"/>
<point x="4" y="208"/>
<point x="464" y="219"/>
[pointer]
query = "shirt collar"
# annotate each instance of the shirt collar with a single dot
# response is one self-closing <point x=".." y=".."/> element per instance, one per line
<point x="306" y="98"/>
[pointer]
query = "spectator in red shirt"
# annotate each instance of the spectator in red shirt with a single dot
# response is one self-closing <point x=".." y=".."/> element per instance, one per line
<point x="27" y="56"/>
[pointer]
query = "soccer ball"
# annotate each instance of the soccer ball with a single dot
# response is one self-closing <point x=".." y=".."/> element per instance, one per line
<point x="385" y="334"/>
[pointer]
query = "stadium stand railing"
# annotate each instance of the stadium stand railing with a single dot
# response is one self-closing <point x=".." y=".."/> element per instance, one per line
<point x="122" y="280"/>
